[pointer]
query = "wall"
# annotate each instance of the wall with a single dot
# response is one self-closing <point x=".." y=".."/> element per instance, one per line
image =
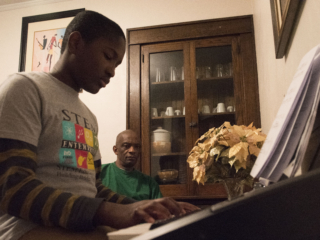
<point x="275" y="75"/>
<point x="109" y="104"/>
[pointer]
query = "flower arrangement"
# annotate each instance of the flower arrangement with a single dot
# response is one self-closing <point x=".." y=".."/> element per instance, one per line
<point x="226" y="152"/>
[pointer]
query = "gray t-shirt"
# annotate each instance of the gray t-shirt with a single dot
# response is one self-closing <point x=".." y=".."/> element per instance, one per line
<point x="39" y="109"/>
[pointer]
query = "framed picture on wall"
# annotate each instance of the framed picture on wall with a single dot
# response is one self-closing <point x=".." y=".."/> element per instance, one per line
<point x="284" y="13"/>
<point x="41" y="39"/>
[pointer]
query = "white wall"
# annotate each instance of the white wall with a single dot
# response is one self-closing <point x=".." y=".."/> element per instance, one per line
<point x="109" y="104"/>
<point x="275" y="75"/>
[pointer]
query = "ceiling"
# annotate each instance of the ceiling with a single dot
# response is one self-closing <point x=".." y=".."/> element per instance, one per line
<point x="6" y="5"/>
<point x="6" y="2"/>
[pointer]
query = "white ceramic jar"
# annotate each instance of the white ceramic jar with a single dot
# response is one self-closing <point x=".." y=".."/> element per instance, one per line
<point x="161" y="135"/>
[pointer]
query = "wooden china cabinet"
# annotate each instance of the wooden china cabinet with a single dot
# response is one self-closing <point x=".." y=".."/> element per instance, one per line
<point x="178" y="74"/>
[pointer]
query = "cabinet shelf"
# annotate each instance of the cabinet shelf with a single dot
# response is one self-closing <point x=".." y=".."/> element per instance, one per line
<point x="168" y="154"/>
<point x="214" y="79"/>
<point x="167" y="117"/>
<point x="215" y="114"/>
<point x="167" y="82"/>
<point x="225" y="116"/>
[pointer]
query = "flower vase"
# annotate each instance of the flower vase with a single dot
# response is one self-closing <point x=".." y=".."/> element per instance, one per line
<point x="234" y="187"/>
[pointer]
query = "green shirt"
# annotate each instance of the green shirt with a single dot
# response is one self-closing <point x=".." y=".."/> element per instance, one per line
<point x="132" y="184"/>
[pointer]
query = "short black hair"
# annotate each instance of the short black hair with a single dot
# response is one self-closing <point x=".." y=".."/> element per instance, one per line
<point x="92" y="25"/>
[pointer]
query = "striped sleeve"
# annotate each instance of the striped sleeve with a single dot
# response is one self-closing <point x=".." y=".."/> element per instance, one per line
<point x="23" y="195"/>
<point x="107" y="193"/>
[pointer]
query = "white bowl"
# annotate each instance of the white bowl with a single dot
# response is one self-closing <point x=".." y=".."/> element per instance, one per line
<point x="161" y="147"/>
<point x="161" y="135"/>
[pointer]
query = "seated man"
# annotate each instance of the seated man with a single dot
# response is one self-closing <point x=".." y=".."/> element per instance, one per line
<point x="121" y="177"/>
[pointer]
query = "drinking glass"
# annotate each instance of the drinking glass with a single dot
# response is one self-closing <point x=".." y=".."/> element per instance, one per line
<point x="208" y="72"/>
<point x="219" y="70"/>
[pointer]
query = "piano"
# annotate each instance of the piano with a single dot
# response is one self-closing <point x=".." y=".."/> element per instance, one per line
<point x="288" y="209"/>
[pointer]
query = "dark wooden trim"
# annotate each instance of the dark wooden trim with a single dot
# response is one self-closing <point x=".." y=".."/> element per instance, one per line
<point x="250" y="80"/>
<point x="190" y="30"/>
<point x="133" y="89"/>
<point x="133" y="93"/>
<point x="176" y="190"/>
<point x="145" y="112"/>
<point x="211" y="190"/>
<point x="38" y="18"/>
<point x="189" y="88"/>
<point x="282" y="32"/>
<point x="237" y="80"/>
<point x="190" y="22"/>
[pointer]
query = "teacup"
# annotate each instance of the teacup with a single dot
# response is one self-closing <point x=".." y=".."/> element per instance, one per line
<point x="221" y="107"/>
<point x="177" y="112"/>
<point x="230" y="108"/>
<point x="169" y="111"/>
<point x="205" y="109"/>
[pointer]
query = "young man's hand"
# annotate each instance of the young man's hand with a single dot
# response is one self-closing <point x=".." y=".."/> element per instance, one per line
<point x="187" y="207"/>
<point x="122" y="216"/>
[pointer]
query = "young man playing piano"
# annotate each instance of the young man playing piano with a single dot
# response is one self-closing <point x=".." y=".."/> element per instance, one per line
<point x="49" y="154"/>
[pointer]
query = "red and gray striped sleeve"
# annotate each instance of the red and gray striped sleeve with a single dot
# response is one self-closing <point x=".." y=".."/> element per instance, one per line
<point x="24" y="196"/>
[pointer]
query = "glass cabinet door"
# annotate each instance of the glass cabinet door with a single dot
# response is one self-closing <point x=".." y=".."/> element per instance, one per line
<point x="212" y="94"/>
<point x="184" y="79"/>
<point x="166" y="116"/>
<point x="187" y="88"/>
<point x="215" y="86"/>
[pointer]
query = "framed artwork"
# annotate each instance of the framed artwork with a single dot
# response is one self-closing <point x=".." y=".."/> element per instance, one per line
<point x="41" y="39"/>
<point x="283" y="14"/>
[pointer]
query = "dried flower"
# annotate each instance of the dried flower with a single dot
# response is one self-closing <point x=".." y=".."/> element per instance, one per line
<point x="227" y="151"/>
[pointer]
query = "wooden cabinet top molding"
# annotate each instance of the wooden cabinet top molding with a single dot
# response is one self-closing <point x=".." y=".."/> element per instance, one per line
<point x="190" y="30"/>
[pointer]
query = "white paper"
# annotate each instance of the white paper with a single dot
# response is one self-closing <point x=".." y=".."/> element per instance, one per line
<point x="287" y="109"/>
<point x="286" y="148"/>
<point x="300" y="134"/>
<point x="307" y="133"/>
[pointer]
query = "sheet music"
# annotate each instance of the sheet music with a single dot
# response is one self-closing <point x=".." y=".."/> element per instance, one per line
<point x="311" y="160"/>
<point x="307" y="134"/>
<point x="287" y="112"/>
<point x="288" y="143"/>
<point x="301" y="125"/>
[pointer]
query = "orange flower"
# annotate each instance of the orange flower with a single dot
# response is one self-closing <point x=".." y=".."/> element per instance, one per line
<point x="199" y="174"/>
<point x="228" y="146"/>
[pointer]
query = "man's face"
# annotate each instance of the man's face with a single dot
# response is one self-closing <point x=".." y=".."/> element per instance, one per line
<point x="127" y="150"/>
<point x="96" y="63"/>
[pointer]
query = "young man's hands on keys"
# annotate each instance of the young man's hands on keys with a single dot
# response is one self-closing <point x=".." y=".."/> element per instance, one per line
<point x="187" y="207"/>
<point x="161" y="222"/>
<point x="125" y="215"/>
